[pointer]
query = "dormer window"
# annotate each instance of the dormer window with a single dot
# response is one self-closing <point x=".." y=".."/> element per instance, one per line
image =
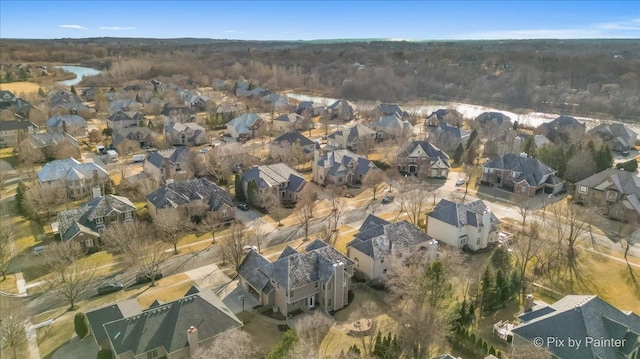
<point x="612" y="196"/>
<point x="99" y="220"/>
<point x="128" y="214"/>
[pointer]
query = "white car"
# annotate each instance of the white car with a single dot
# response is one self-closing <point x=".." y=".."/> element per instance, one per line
<point x="459" y="182"/>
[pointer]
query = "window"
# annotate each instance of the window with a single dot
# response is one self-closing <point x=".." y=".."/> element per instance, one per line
<point x="583" y="189"/>
<point x="88" y="243"/>
<point x="357" y="262"/>
<point x="128" y="214"/>
<point x="413" y="160"/>
<point x="316" y="285"/>
<point x="152" y="354"/>
<point x="384" y="271"/>
<point x="329" y="287"/>
<point x="290" y="294"/>
<point x="612" y="196"/>
<point x="224" y="213"/>
<point x="99" y="220"/>
<point x="381" y="259"/>
<point x="329" y="303"/>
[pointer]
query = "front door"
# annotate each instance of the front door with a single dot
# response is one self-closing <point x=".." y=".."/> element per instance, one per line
<point x="310" y="302"/>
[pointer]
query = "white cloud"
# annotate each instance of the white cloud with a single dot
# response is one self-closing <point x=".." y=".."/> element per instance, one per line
<point x="116" y="28"/>
<point x="633" y="24"/>
<point x="77" y="27"/>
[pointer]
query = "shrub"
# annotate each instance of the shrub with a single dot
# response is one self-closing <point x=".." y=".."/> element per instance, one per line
<point x="629" y="166"/>
<point x="104" y="354"/>
<point x="81" y="325"/>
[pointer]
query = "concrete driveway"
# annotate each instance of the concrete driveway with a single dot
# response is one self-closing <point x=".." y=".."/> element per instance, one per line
<point x="77" y="349"/>
<point x="237" y="299"/>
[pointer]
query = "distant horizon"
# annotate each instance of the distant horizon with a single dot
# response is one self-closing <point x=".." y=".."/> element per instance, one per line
<point x="314" y="40"/>
<point x="321" y="20"/>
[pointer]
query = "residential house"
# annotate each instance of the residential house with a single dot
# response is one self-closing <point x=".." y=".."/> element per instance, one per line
<point x="618" y="136"/>
<point x="278" y="178"/>
<point x="298" y="282"/>
<point x="19" y="106"/>
<point x="378" y="242"/>
<point x="51" y="143"/>
<point x="340" y="167"/>
<point x="159" y="86"/>
<point x="78" y="178"/>
<point x="72" y="124"/>
<point x="391" y="109"/>
<point x="133" y="88"/>
<point x="279" y="102"/>
<point x="289" y="140"/>
<point x="463" y="224"/>
<point x="120" y="119"/>
<point x="177" y="114"/>
<point x="6" y="99"/>
<point x="227" y="112"/>
<point x="564" y="129"/>
<point x="616" y="189"/>
<point x="448" y="137"/>
<point x="124" y="105"/>
<point x="245" y="126"/>
<point x="342" y="110"/>
<point x="493" y="119"/>
<point x="194" y="198"/>
<point x="193" y="99"/>
<point x="66" y="102"/>
<point x="142" y="136"/>
<point x="538" y="141"/>
<point x="444" y="116"/>
<point x="603" y="330"/>
<point x="521" y="174"/>
<point x="171" y="330"/>
<point x="289" y="122"/>
<point x="392" y="126"/>
<point x="83" y="225"/>
<point x="168" y="164"/>
<point x="310" y="109"/>
<point x="12" y="132"/>
<point x="186" y="134"/>
<point x="422" y="159"/>
<point x="350" y="137"/>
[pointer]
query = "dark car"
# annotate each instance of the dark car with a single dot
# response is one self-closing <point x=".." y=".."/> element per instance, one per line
<point x="142" y="278"/>
<point x="243" y="206"/>
<point x="388" y="198"/>
<point x="109" y="288"/>
<point x="625" y="153"/>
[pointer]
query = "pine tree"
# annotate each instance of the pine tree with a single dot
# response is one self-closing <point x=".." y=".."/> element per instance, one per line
<point x="378" y="350"/>
<point x="500" y="259"/>
<point x="252" y="193"/>
<point x="488" y="290"/>
<point x="604" y="158"/>
<point x="457" y="156"/>
<point x="472" y="137"/>
<point x="19" y="198"/>
<point x="503" y="288"/>
<point x="238" y="186"/>
<point x="530" y="147"/>
<point x="515" y="284"/>
<point x="73" y="90"/>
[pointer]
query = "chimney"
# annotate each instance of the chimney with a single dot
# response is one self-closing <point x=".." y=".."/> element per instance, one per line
<point x="96" y="180"/>
<point x="167" y="168"/>
<point x="192" y="338"/>
<point x="528" y="303"/>
<point x="486" y="228"/>
<point x="64" y="126"/>
<point x="432" y="250"/>
<point x="96" y="192"/>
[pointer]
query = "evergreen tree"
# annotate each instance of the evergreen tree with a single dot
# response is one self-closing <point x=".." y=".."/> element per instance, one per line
<point x="252" y="193"/>
<point x="378" y="350"/>
<point x="19" y="198"/>
<point x="457" y="156"/>
<point x="73" y="90"/>
<point x="515" y="125"/>
<point x="282" y="349"/>
<point x="530" y="147"/>
<point x="472" y="154"/>
<point x="24" y="76"/>
<point x="9" y="76"/>
<point x="629" y="166"/>
<point x="81" y="324"/>
<point x="492" y="350"/>
<point x="515" y="284"/>
<point x="472" y="137"/>
<point x="503" y="288"/>
<point x="500" y="259"/>
<point x="488" y="290"/>
<point x="41" y="92"/>
<point x="238" y="186"/>
<point x="604" y="158"/>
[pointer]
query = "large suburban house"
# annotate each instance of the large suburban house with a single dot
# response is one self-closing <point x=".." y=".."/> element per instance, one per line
<point x="167" y="164"/>
<point x="78" y="178"/>
<point x="616" y="189"/>
<point x="289" y="140"/>
<point x="444" y="116"/>
<point x="173" y="330"/>
<point x="141" y="136"/>
<point x="342" y="110"/>
<point x="83" y="225"/>
<point x="349" y="138"/>
<point x="299" y="282"/>
<point x="422" y="159"/>
<point x="195" y="198"/>
<point x="66" y="102"/>
<point x="618" y="136"/>
<point x="493" y="120"/>
<point x="245" y="126"/>
<point x="289" y="122"/>
<point x="392" y="126"/>
<point x="72" y="124"/>
<point x="177" y="114"/>
<point x="391" y="109"/>
<point x="12" y="132"/>
<point x="14" y="103"/>
<point x="186" y="134"/>
<point x="55" y="144"/>
<point x="340" y="167"/>
<point x="463" y="224"/>
<point x="278" y="178"/>
<point x="604" y="331"/>
<point x="523" y="175"/>
<point x="121" y="119"/>
<point x="379" y="241"/>
<point x="448" y="137"/>
<point x="310" y="108"/>
<point x="124" y="105"/>
<point x="564" y="129"/>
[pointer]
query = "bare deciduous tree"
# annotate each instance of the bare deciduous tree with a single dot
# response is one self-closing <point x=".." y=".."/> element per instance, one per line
<point x="29" y="155"/>
<point x="336" y="205"/>
<point x="368" y="311"/>
<point x="526" y="247"/>
<point x="8" y="250"/>
<point x="234" y="343"/>
<point x="311" y="330"/>
<point x="171" y="225"/>
<point x="416" y="202"/>
<point x="42" y="200"/>
<point x="305" y="207"/>
<point x="525" y="208"/>
<point x="209" y="224"/>
<point x="12" y="324"/>
<point x="569" y="227"/>
<point x="271" y="202"/>
<point x="232" y="247"/>
<point x="70" y="273"/>
<point x="137" y="245"/>
<point x="375" y="180"/>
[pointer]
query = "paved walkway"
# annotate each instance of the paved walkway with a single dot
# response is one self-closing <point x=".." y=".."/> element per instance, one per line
<point x="32" y="340"/>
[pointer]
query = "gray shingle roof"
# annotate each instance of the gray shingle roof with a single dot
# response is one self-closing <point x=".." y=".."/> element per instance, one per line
<point x="273" y="175"/>
<point x="343" y="106"/>
<point x="532" y="170"/>
<point x="97" y="318"/>
<point x="582" y="316"/>
<point x="176" y="155"/>
<point x="119" y="116"/>
<point x="248" y="269"/>
<point x="74" y="120"/>
<point x="124" y="104"/>
<point x="60" y="169"/>
<point x="378" y="238"/>
<point x="627" y="183"/>
<point x="390" y="109"/>
<point x="137" y="134"/>
<point x="183" y="192"/>
<point x="616" y="131"/>
<point x="242" y="123"/>
<point x="166" y="325"/>
<point x="293" y="137"/>
<point x="42" y="140"/>
<point x="11" y="125"/>
<point x="461" y="214"/>
<point x="431" y="151"/>
<point x="497" y="117"/>
<point x="339" y="163"/>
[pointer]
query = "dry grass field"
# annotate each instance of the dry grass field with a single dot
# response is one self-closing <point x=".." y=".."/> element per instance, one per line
<point x="20" y="87"/>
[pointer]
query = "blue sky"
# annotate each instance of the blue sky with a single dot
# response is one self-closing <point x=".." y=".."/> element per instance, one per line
<point x="308" y="20"/>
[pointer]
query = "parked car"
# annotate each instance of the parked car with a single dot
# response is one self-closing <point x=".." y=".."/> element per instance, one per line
<point x="204" y="150"/>
<point x="39" y="250"/>
<point x="625" y="153"/>
<point x="107" y="288"/>
<point x="348" y="194"/>
<point x="248" y="248"/>
<point x="243" y="206"/>
<point x="388" y="198"/>
<point x="142" y="277"/>
<point x="460" y="182"/>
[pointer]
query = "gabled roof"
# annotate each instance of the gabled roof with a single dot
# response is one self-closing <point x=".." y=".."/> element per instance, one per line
<point x="462" y="214"/>
<point x="180" y="127"/>
<point x="176" y="155"/>
<point x="42" y="140"/>
<point x="497" y="117"/>
<point x="82" y="220"/>
<point x="443" y="112"/>
<point x="12" y="125"/>
<point x="126" y="116"/>
<point x="184" y="192"/>
<point x="125" y="104"/>
<point x="166" y="325"/>
<point x="583" y="316"/>
<point x="353" y="132"/>
<point x="62" y="97"/>
<point x="453" y="131"/>
<point x="97" y="318"/>
<point x="427" y="149"/>
<point x="624" y="182"/>
<point x="378" y="238"/>
<point x="272" y="175"/>
<point x="342" y="106"/>
<point x="289" y="117"/>
<point x="391" y="109"/>
<point x="175" y="111"/>
<point x="613" y="130"/>
<point x="75" y="120"/>
<point x="244" y="122"/>
<point x="294" y="137"/>
<point x="60" y="169"/>
<point x="132" y="133"/>
<point x="342" y="162"/>
<point x="248" y="269"/>
<point x="393" y="123"/>
<point x="287" y="252"/>
<point x="531" y="170"/>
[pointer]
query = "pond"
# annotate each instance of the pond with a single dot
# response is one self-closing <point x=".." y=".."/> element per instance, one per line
<point x="80" y="72"/>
